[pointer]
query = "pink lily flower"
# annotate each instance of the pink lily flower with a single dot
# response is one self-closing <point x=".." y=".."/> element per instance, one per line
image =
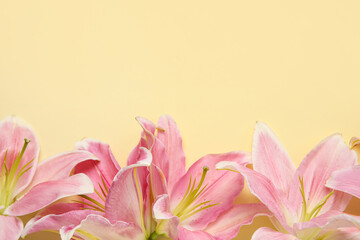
<point x="201" y="198"/>
<point x="25" y="186"/>
<point x="123" y="212"/>
<point x="154" y="198"/>
<point x="298" y="199"/>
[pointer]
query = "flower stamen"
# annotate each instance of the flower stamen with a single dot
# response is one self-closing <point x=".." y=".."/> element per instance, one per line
<point x="185" y="209"/>
<point x="9" y="177"/>
<point x="305" y="215"/>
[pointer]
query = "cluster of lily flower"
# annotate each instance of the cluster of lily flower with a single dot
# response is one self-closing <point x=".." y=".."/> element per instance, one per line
<point x="154" y="197"/>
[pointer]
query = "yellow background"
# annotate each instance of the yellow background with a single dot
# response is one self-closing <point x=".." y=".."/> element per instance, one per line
<point x="75" y="69"/>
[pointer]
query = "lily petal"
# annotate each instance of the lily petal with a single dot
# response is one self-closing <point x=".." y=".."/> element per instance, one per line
<point x="169" y="135"/>
<point x="265" y="233"/>
<point x="100" y="172"/>
<point x="185" y="234"/>
<point x="10" y="228"/>
<point x="262" y="188"/>
<point x="271" y="159"/>
<point x="146" y="141"/>
<point x="50" y="191"/>
<point x="222" y="187"/>
<point x="343" y="221"/>
<point x="13" y="131"/>
<point x="164" y="217"/>
<point x="98" y="227"/>
<point x="311" y="229"/>
<point x="108" y="166"/>
<point x="346" y="180"/>
<point x="59" y="166"/>
<point x="127" y="195"/>
<point x="57" y="216"/>
<point x="328" y="156"/>
<point x="227" y="225"/>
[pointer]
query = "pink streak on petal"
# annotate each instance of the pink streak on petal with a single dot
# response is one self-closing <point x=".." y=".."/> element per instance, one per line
<point x="185" y="234"/>
<point x="13" y="131"/>
<point x="222" y="188"/>
<point x="10" y="228"/>
<point x="48" y="192"/>
<point x="271" y="159"/>
<point x="346" y="180"/>
<point x="170" y="136"/>
<point x="227" y="225"/>
<point x="328" y="156"/>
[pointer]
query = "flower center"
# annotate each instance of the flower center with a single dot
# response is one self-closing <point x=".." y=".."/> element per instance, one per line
<point x="9" y="178"/>
<point x="185" y="208"/>
<point x="307" y="214"/>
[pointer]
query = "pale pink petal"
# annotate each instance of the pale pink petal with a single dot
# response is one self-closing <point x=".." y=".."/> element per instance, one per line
<point x="169" y="135"/>
<point x="342" y="234"/>
<point x="128" y="195"/>
<point x="99" y="227"/>
<point x="346" y="180"/>
<point x="309" y="229"/>
<point x="100" y="172"/>
<point x="162" y="214"/>
<point x="328" y="156"/>
<point x="48" y="192"/>
<point x="271" y="159"/>
<point x="344" y="221"/>
<point x="265" y="233"/>
<point x="263" y="189"/>
<point x="185" y="234"/>
<point x="55" y="217"/>
<point x="13" y="131"/>
<point x="59" y="166"/>
<point x="222" y="187"/>
<point x="227" y="225"/>
<point x="10" y="228"/>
